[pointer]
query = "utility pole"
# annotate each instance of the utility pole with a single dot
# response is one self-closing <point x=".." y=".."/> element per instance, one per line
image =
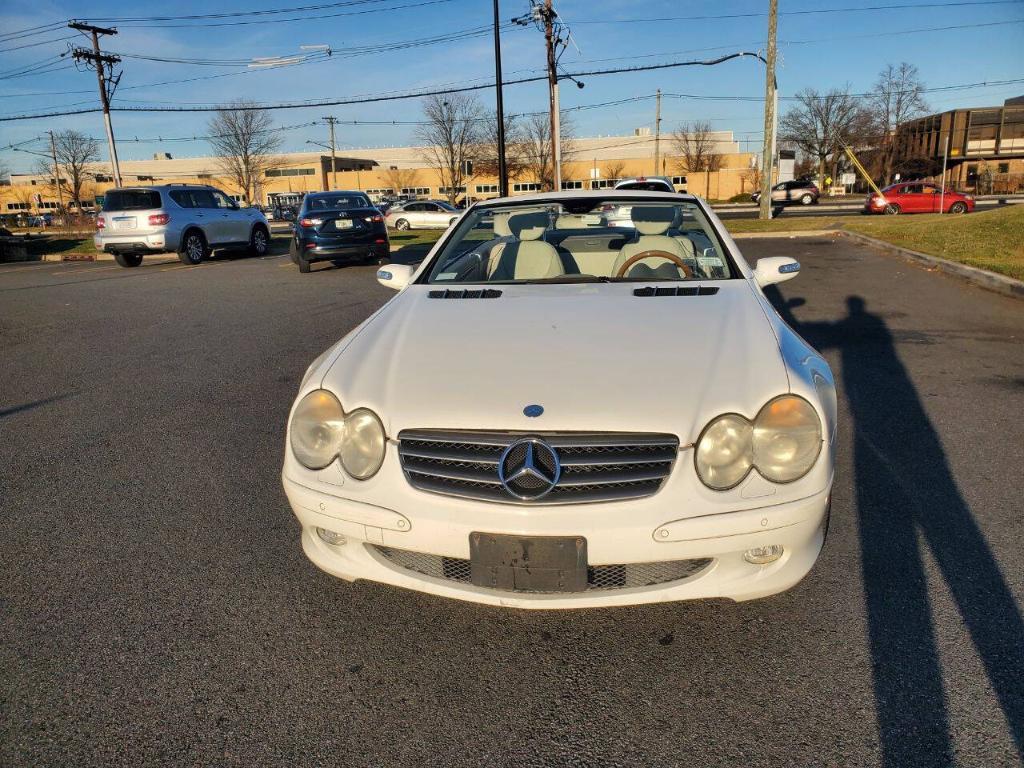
<point x="657" y="135"/>
<point x="101" y="60"/>
<point x="502" y="168"/>
<point x="769" y="115"/>
<point x="334" y="165"/>
<point x="56" y="174"/>
<point x="556" y="145"/>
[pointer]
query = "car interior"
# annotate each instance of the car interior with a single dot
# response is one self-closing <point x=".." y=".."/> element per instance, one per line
<point x="566" y="242"/>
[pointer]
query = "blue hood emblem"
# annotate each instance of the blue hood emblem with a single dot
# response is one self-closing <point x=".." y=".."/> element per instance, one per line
<point x="533" y="411"/>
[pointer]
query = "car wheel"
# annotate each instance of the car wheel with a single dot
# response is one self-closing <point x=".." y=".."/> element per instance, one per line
<point x="958" y="207"/>
<point x="401" y="225"/>
<point x="806" y="200"/>
<point x="193" y="247"/>
<point x="293" y="252"/>
<point x="128" y="259"/>
<point x="259" y="241"/>
<point x="892" y="209"/>
<point x="303" y="264"/>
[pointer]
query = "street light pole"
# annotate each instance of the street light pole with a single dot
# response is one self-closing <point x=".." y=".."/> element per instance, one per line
<point x="334" y="162"/>
<point x="768" y="154"/>
<point x="502" y="169"/>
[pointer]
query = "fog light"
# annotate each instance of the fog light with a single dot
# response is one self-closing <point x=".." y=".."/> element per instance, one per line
<point x="330" y="536"/>
<point x="763" y="555"/>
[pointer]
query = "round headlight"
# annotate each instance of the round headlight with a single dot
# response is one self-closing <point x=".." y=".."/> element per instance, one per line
<point x="786" y="439"/>
<point x="723" y="456"/>
<point x="363" y="443"/>
<point x="317" y="429"/>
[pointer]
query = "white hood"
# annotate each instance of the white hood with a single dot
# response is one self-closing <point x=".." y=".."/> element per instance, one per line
<point x="596" y="357"/>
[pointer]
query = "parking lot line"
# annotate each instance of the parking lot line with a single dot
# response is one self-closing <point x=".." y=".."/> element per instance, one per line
<point x="179" y="267"/>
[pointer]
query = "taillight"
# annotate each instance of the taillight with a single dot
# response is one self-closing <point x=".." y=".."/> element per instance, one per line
<point x="310" y="222"/>
<point x="158" y="219"/>
<point x="607" y="207"/>
<point x="100" y="223"/>
<point x="378" y="218"/>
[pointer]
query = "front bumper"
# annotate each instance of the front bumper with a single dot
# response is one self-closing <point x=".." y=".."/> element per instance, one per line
<point x="798" y="526"/>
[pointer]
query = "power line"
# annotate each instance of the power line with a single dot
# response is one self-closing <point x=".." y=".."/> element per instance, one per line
<point x="41" y="42"/>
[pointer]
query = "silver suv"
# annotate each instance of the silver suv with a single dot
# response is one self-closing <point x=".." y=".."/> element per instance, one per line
<point x="191" y="219"/>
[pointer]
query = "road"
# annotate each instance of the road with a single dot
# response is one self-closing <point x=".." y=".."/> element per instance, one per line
<point x="156" y="608"/>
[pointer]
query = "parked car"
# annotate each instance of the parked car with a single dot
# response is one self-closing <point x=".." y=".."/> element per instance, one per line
<point x="192" y="219"/>
<point x="339" y="227"/>
<point x="918" y="197"/>
<point x="550" y="418"/>
<point x="284" y="213"/>
<point x="647" y="184"/>
<point x="800" y="191"/>
<point x="422" y="214"/>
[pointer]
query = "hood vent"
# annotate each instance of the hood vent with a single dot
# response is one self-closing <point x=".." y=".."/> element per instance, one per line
<point x="467" y="293"/>
<point x="685" y="290"/>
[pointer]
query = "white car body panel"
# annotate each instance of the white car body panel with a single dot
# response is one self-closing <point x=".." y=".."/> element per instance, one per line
<point x="598" y="359"/>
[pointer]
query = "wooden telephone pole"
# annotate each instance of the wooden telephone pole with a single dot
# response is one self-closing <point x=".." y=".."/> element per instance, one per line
<point x="657" y="135"/>
<point x="768" y="155"/>
<point x="334" y="163"/>
<point x="102" y="61"/>
<point x="556" y="144"/>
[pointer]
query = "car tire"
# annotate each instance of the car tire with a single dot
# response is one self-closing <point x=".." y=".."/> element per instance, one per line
<point x="892" y="210"/>
<point x="402" y="225"/>
<point x="806" y="199"/>
<point x="259" y="241"/>
<point x="128" y="259"/>
<point x="293" y="252"/>
<point x="958" y="207"/>
<point x="303" y="264"/>
<point x="194" y="247"/>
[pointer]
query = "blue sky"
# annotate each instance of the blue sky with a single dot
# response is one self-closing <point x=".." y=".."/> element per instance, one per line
<point x="816" y="50"/>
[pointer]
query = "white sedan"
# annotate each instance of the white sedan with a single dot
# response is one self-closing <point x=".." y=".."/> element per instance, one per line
<point x="422" y="214"/>
<point x="553" y="413"/>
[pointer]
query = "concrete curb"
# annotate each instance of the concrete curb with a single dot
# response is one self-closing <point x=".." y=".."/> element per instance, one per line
<point x="794" y="233"/>
<point x="991" y="281"/>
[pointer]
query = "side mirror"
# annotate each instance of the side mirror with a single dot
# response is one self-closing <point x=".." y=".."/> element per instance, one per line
<point x="395" y="276"/>
<point x="775" y="269"/>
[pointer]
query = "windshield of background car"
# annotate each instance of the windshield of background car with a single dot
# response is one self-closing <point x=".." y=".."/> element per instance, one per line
<point x="336" y="202"/>
<point x="583" y="240"/>
<point x="131" y="200"/>
<point x="645" y="186"/>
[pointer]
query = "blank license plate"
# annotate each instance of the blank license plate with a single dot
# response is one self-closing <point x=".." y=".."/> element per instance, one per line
<point x="528" y="563"/>
<point x="124" y="222"/>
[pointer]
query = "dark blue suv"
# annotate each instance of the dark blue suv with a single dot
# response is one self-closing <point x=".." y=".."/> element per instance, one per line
<point x="342" y="227"/>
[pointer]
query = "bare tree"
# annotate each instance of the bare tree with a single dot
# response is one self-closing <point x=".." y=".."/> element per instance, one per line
<point x="449" y="136"/>
<point x="485" y="151"/>
<point x="615" y="169"/>
<point x="76" y="153"/>
<point x="820" y="123"/>
<point x="897" y="96"/>
<point x="699" y="149"/>
<point x="398" y="179"/>
<point x="5" y="172"/>
<point x="245" y="142"/>
<point x="537" y="147"/>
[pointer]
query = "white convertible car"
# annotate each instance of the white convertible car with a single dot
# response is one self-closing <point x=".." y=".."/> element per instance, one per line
<point x="556" y="413"/>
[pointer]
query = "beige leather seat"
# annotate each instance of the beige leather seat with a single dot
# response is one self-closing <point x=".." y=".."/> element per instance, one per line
<point x="652" y="222"/>
<point x="526" y="257"/>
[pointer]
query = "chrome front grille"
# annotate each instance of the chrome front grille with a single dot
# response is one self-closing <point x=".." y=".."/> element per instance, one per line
<point x="591" y="467"/>
<point x="599" y="577"/>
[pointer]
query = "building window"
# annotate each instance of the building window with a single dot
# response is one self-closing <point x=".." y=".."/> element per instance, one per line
<point x="101" y="179"/>
<point x="276" y="172"/>
<point x="603" y="183"/>
<point x="679" y="180"/>
<point x="415" y="190"/>
<point x="487" y="189"/>
<point x="18" y="206"/>
<point x="526" y="186"/>
<point x="204" y="176"/>
<point x="572" y="185"/>
<point x="446" y="190"/>
<point x="380" y="191"/>
<point x="1004" y="168"/>
<point x="48" y="206"/>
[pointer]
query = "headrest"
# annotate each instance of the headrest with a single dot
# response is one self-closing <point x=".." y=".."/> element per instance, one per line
<point x="570" y="221"/>
<point x="653" y="219"/>
<point x="501" y="225"/>
<point x="528" y="226"/>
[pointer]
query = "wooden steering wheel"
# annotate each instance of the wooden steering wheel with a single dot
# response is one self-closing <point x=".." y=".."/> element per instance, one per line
<point x="687" y="271"/>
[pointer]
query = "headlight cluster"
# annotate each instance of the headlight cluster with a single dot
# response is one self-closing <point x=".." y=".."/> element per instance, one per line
<point x="782" y="443"/>
<point x="322" y="431"/>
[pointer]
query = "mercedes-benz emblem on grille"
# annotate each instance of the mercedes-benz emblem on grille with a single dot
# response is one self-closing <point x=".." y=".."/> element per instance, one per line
<point x="529" y="469"/>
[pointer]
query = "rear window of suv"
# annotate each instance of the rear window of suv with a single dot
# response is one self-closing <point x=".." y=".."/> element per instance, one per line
<point x="131" y="200"/>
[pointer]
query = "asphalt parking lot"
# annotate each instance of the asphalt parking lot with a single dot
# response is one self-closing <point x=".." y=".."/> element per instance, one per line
<point x="156" y="607"/>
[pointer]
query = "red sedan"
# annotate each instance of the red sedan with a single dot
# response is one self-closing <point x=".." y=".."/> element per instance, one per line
<point x="918" y="197"/>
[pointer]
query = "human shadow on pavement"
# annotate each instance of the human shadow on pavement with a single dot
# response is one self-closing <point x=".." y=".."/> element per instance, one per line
<point x="907" y="497"/>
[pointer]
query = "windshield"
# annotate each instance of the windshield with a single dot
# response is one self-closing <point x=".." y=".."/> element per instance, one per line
<point x="336" y="202"/>
<point x="583" y="240"/>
